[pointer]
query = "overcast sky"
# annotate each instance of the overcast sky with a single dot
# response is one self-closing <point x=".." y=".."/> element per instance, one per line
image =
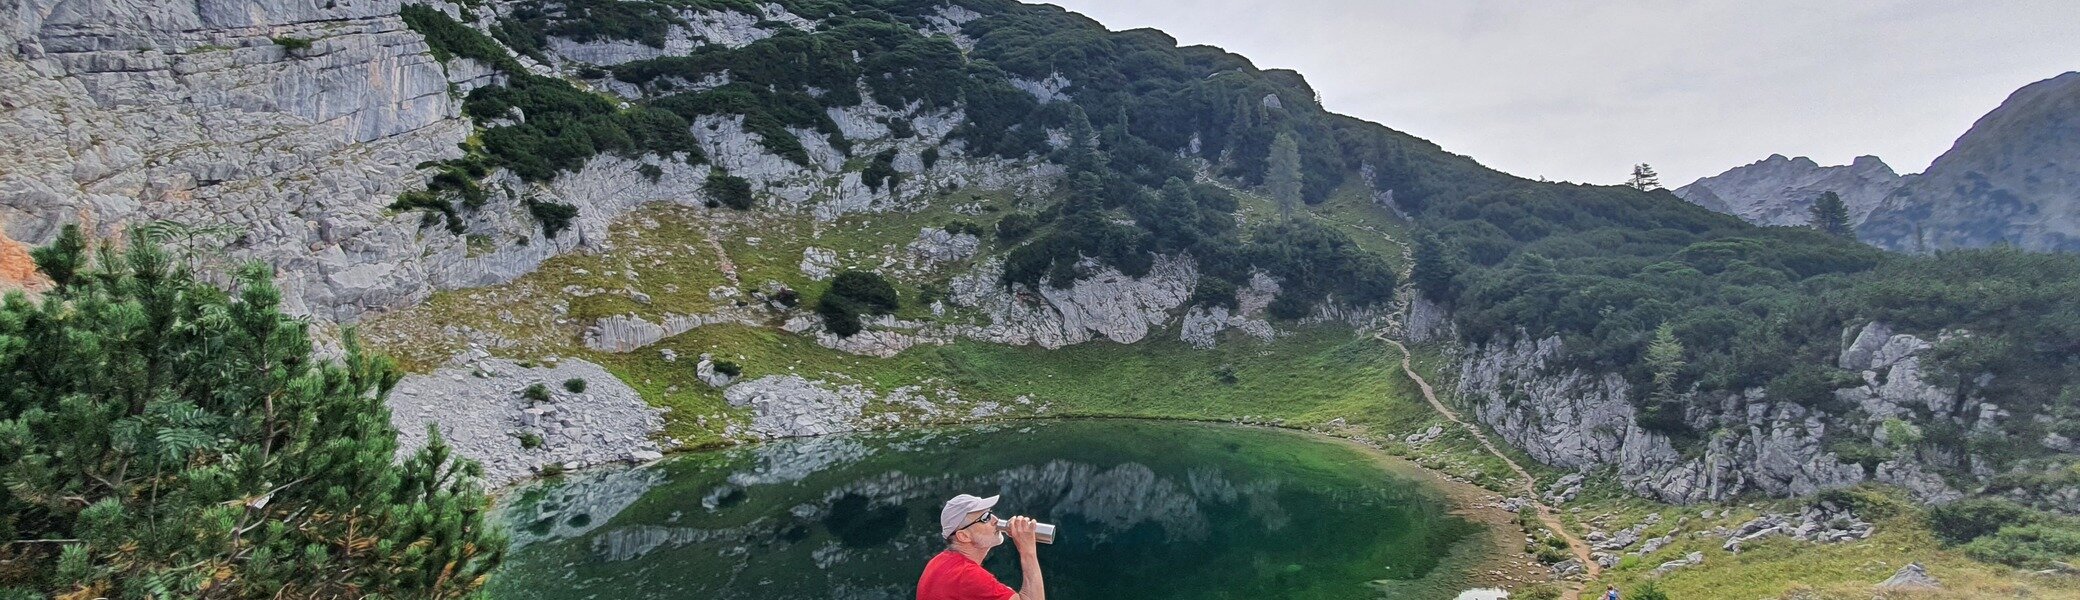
<point x="1580" y="90"/>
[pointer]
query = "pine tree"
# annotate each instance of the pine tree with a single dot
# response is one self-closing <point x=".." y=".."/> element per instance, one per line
<point x="164" y="438"/>
<point x="1434" y="270"/>
<point x="1664" y="359"/>
<point x="1831" y="215"/>
<point x="1282" y="173"/>
<point x="1081" y="155"/>
<point x="1644" y="178"/>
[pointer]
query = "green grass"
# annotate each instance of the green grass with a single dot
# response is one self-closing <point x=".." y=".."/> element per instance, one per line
<point x="1308" y="378"/>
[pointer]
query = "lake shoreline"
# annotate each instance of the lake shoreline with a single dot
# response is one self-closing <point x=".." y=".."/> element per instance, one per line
<point x="1495" y="559"/>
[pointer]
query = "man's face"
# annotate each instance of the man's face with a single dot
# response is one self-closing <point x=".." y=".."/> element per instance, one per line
<point x="982" y="530"/>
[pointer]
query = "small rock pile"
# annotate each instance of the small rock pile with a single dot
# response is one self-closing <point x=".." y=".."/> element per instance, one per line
<point x="1824" y="522"/>
<point x="1567" y="488"/>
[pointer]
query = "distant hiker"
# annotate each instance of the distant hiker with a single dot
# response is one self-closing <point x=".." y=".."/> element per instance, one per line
<point x="1610" y="592"/>
<point x="971" y="531"/>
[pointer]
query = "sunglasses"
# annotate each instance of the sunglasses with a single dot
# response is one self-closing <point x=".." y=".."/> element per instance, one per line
<point x="986" y="517"/>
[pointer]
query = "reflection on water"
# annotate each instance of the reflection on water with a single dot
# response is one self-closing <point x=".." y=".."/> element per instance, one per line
<point x="1246" y="513"/>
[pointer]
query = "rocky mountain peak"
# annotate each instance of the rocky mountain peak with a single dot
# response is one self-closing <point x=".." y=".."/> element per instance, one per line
<point x="2014" y="178"/>
<point x="1778" y="190"/>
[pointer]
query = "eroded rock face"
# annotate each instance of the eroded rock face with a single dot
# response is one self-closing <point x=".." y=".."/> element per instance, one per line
<point x="1575" y="419"/>
<point x="1108" y="304"/>
<point x="125" y="111"/>
<point x="121" y="112"/>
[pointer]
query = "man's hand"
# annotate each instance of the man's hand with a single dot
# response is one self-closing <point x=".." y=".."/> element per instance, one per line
<point x="1021" y="531"/>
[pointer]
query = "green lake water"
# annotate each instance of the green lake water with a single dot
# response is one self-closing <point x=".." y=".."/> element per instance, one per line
<point x="1147" y="510"/>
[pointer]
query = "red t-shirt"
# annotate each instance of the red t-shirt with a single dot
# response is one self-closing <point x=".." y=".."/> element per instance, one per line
<point x="951" y="576"/>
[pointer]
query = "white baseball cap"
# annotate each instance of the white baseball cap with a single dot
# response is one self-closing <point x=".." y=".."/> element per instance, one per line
<point x="955" y="515"/>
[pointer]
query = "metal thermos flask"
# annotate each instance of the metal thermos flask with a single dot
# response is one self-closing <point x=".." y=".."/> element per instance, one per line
<point x="1042" y="532"/>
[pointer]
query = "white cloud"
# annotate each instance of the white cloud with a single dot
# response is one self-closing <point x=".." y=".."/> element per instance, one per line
<point x="1579" y="90"/>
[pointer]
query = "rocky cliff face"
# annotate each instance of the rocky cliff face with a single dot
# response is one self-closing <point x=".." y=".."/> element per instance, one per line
<point x="1575" y="419"/>
<point x="2014" y="178"/>
<point x="125" y="111"/>
<point x="1779" y="191"/>
<point x="212" y="116"/>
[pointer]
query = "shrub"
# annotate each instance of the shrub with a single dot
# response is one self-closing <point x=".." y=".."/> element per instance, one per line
<point x="2032" y="546"/>
<point x="728" y="190"/>
<point x="530" y="441"/>
<point x="1966" y="520"/>
<point x="728" y="368"/>
<point x="555" y="217"/>
<point x="1867" y="504"/>
<point x="575" y="385"/>
<point x="1014" y="226"/>
<point x="851" y="294"/>
<point x="651" y="172"/>
<point x="139" y="455"/>
<point x="1211" y="292"/>
<point x="881" y="171"/>
<point x="536" y="392"/>
<point x="930" y="157"/>
<point x="437" y="209"/>
<point x="447" y="38"/>
<point x="552" y="470"/>
<point x="292" y="44"/>
<point x="1647" y="591"/>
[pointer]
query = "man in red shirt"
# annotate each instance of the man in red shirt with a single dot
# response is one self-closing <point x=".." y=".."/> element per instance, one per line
<point x="970" y="531"/>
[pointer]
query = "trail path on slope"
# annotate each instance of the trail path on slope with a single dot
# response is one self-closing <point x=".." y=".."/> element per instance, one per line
<point x="1402" y="305"/>
<point x="1545" y="513"/>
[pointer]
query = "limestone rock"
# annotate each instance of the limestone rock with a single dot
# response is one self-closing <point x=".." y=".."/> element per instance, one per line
<point x="1108" y="304"/>
<point x="1573" y="419"/>
<point x="818" y="263"/>
<point x="1910" y="577"/>
<point x="480" y="412"/>
<point x="934" y="246"/>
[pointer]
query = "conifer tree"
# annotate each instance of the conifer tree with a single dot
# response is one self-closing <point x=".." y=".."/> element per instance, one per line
<point x="1282" y="173"/>
<point x="1664" y="359"/>
<point x="1831" y="216"/>
<point x="1644" y="178"/>
<point x="162" y="438"/>
<point x="1434" y="269"/>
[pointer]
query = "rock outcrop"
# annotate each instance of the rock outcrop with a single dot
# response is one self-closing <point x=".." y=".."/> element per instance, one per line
<point x="482" y="412"/>
<point x="1780" y="191"/>
<point x="1108" y="304"/>
<point x="125" y="111"/>
<point x="1575" y="419"/>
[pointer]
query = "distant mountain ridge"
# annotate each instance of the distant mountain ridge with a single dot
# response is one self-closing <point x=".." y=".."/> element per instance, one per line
<point x="2012" y="179"/>
<point x="1779" y="190"/>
